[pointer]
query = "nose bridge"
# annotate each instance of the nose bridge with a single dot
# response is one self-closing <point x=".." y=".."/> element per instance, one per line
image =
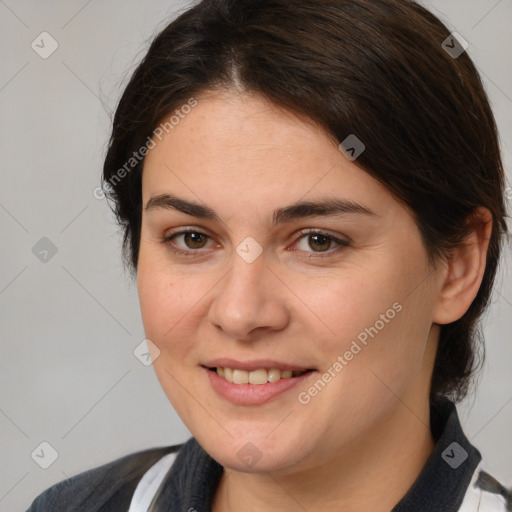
<point x="246" y="298"/>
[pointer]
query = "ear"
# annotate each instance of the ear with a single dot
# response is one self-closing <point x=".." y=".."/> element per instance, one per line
<point x="465" y="270"/>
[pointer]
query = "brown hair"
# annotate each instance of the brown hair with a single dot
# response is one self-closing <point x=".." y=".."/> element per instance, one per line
<point x="374" y="68"/>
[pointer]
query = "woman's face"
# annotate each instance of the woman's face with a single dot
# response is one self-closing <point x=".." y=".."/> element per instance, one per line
<point x="263" y="284"/>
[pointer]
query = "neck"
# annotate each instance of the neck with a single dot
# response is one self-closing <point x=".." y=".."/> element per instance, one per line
<point x="373" y="473"/>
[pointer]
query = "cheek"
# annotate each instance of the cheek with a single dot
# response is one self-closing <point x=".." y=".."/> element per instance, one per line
<point x="170" y="306"/>
<point x="376" y="317"/>
<point x="167" y="304"/>
<point x="348" y="305"/>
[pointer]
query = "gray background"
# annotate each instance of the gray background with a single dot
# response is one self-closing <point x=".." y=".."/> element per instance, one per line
<point x="70" y="324"/>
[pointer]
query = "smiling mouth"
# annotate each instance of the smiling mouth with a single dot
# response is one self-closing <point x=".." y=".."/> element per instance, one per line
<point x="256" y="377"/>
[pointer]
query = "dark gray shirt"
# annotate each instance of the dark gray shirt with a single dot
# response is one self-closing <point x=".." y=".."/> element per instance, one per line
<point x="452" y="479"/>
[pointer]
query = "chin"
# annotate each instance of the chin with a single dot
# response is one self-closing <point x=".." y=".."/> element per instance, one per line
<point x="254" y="454"/>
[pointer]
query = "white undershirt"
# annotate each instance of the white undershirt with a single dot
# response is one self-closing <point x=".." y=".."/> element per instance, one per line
<point x="149" y="483"/>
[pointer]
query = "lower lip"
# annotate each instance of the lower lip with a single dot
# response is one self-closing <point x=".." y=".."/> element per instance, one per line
<point x="252" y="394"/>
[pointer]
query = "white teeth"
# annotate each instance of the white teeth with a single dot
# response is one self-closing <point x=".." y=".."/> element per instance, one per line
<point x="274" y="375"/>
<point x="228" y="374"/>
<point x="260" y="376"/>
<point x="240" y="377"/>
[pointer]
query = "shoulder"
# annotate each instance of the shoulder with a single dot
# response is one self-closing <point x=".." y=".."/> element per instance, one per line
<point x="105" y="488"/>
<point x="486" y="494"/>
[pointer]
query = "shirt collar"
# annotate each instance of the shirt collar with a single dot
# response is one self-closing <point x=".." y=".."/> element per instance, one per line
<point x="446" y="476"/>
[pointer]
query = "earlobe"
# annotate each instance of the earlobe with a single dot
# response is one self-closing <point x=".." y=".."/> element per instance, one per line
<point x="465" y="270"/>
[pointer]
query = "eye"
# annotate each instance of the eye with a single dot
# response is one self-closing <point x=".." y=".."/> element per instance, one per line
<point x="320" y="242"/>
<point x="317" y="240"/>
<point x="191" y="238"/>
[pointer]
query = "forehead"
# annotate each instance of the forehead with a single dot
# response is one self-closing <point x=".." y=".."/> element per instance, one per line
<point x="243" y="150"/>
<point x="234" y="126"/>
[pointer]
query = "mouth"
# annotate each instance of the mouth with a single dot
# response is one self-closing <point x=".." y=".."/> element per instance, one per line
<point x="258" y="376"/>
<point x="255" y="384"/>
<point x="257" y="381"/>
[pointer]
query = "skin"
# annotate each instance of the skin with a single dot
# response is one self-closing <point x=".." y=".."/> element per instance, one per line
<point x="360" y="443"/>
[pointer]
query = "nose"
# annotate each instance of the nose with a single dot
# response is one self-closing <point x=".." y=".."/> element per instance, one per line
<point x="249" y="298"/>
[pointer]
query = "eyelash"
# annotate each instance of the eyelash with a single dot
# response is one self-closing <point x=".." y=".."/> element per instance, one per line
<point x="166" y="240"/>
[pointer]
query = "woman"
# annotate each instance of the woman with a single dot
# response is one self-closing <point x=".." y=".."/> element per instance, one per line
<point x="312" y="197"/>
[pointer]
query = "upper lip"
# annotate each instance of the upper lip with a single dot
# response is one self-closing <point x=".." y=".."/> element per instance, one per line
<point x="253" y="365"/>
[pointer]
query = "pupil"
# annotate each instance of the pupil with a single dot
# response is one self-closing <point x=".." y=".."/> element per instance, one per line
<point x="325" y="239"/>
<point x="196" y="239"/>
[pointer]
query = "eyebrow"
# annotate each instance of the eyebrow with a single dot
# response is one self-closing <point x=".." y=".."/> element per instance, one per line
<point x="323" y="207"/>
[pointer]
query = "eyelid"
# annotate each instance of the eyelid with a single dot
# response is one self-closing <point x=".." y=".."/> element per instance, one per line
<point x="188" y="229"/>
<point x="342" y="239"/>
